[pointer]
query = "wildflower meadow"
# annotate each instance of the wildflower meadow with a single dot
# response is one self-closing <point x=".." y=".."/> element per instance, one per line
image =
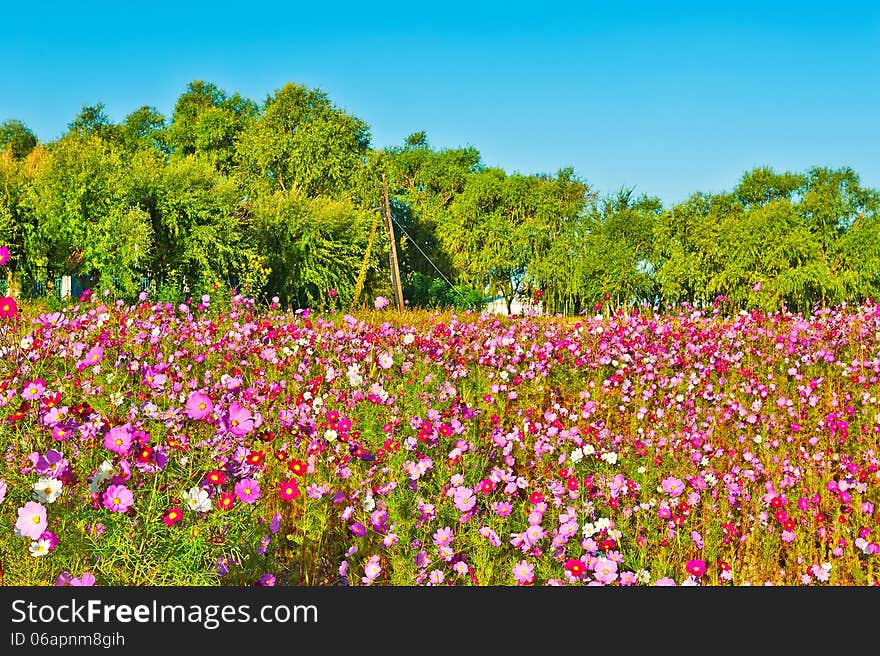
<point x="224" y="442"/>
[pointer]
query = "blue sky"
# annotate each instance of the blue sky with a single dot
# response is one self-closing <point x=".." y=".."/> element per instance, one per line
<point x="668" y="98"/>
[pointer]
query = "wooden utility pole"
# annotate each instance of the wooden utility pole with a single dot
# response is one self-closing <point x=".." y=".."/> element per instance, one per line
<point x="392" y="253"/>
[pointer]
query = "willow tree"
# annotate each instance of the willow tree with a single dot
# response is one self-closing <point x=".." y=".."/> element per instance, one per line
<point x="82" y="216"/>
<point x="315" y="245"/>
<point x="303" y="143"/>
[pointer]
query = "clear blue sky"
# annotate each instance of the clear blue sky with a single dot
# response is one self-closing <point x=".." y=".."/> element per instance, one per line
<point x="666" y="97"/>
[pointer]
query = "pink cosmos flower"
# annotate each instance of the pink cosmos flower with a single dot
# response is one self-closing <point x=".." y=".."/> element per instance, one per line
<point x="523" y="572"/>
<point x="4" y="255"/>
<point x="31" y="521"/>
<point x="605" y="570"/>
<point x="247" y="490"/>
<point x="380" y="302"/>
<point x="199" y="405"/>
<point x="241" y="422"/>
<point x="443" y="536"/>
<point x="464" y="499"/>
<point x="86" y="580"/>
<point x="372" y="569"/>
<point x="672" y="486"/>
<point x="118" y="439"/>
<point x="34" y="389"/>
<point x="94" y="356"/>
<point x="118" y="498"/>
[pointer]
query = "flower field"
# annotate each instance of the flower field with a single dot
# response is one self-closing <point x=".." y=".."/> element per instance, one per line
<point x="225" y="443"/>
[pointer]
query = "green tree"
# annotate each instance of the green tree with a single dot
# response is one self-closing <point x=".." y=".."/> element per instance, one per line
<point x="313" y="245"/>
<point x="207" y="122"/>
<point x="304" y="144"/>
<point x="82" y="216"/>
<point x="143" y="129"/>
<point x="17" y="137"/>
<point x="92" y="120"/>
<point x="616" y="253"/>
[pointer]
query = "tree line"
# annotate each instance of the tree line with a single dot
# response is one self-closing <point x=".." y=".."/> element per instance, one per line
<point x="281" y="198"/>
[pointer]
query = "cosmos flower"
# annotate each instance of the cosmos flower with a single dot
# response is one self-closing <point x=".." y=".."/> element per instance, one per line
<point x="247" y="490"/>
<point x="31" y="520"/>
<point x="118" y="498"/>
<point x="172" y="516"/>
<point x="118" y="439"/>
<point x="199" y="405"/>
<point x="197" y="499"/>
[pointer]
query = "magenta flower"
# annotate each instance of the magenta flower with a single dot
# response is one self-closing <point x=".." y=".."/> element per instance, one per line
<point x="199" y="405"/>
<point x="247" y="490"/>
<point x="118" y="498"/>
<point x="31" y="521"/>
<point x="240" y="420"/>
<point x="696" y="567"/>
<point x="118" y="439"/>
<point x="86" y="580"/>
<point x="4" y="255"/>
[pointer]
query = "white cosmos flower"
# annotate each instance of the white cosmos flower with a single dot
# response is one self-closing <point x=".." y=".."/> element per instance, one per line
<point x="197" y="499"/>
<point x="47" y="490"/>
<point x="39" y="548"/>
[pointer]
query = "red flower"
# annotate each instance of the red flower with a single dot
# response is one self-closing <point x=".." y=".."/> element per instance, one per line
<point x="8" y="307"/>
<point x="172" y="516"/>
<point x="298" y="467"/>
<point x="255" y="458"/>
<point x="536" y="497"/>
<point x="216" y="477"/>
<point x="572" y="483"/>
<point x="575" y="566"/>
<point x="288" y="490"/>
<point x="226" y="500"/>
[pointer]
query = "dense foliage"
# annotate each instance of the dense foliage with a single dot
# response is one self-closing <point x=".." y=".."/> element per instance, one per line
<point x="280" y="198"/>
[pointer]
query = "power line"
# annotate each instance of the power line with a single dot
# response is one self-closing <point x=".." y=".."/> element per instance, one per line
<point x="415" y="243"/>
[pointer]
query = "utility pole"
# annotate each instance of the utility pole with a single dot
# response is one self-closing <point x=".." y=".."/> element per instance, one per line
<point x="392" y="253"/>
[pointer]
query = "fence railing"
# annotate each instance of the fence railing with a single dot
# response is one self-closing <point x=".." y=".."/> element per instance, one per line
<point x="63" y="286"/>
